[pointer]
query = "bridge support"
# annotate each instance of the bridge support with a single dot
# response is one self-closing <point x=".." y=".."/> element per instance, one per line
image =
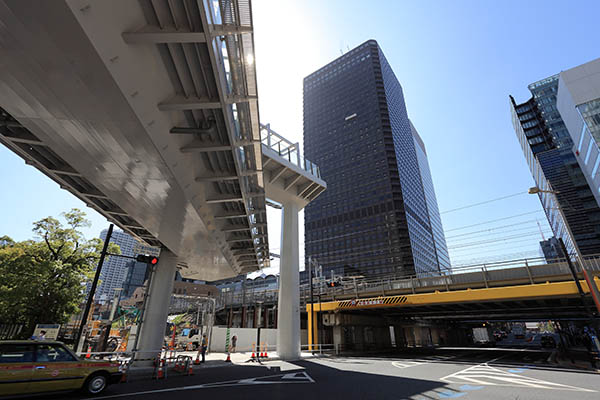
<point x="288" y="316"/>
<point x="157" y="308"/>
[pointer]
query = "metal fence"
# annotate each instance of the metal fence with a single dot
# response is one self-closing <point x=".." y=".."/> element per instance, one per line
<point x="523" y="271"/>
<point x="10" y="331"/>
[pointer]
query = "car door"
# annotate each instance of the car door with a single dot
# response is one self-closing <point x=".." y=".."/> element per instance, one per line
<point x="16" y="366"/>
<point x="55" y="368"/>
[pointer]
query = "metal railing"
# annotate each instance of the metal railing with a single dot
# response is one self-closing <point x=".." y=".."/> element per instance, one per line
<point x="287" y="150"/>
<point x="513" y="272"/>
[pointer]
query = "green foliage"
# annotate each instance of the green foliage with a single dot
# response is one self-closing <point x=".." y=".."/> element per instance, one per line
<point x="42" y="281"/>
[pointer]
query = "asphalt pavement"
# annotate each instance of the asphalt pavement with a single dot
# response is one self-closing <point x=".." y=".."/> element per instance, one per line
<point x="477" y="374"/>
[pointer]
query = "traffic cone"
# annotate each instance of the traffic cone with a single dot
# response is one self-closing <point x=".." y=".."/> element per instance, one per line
<point x="89" y="352"/>
<point x="124" y="376"/>
<point x="190" y="367"/>
<point x="161" y="373"/>
<point x="253" y="356"/>
<point x="197" y="361"/>
<point x="228" y="358"/>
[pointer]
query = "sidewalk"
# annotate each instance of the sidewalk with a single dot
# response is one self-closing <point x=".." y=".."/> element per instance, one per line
<point x="213" y="360"/>
<point x="577" y="358"/>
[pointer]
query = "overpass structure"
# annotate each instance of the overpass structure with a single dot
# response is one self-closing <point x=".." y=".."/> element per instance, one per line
<point x="516" y="290"/>
<point x="147" y="111"/>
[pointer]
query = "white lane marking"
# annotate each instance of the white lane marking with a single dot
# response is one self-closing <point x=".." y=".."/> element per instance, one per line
<point x="298" y="377"/>
<point x="483" y="374"/>
<point x="420" y="361"/>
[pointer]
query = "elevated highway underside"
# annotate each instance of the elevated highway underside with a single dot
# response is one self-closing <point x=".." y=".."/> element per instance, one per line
<point x="146" y="111"/>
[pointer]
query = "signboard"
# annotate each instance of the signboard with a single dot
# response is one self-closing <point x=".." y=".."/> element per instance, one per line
<point x="51" y="330"/>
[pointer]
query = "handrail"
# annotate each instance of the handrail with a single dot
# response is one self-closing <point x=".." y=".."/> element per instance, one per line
<point x="478" y="274"/>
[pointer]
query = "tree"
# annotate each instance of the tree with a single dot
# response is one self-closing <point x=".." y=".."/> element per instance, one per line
<point x="42" y="281"/>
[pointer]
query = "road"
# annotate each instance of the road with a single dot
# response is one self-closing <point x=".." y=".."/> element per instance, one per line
<point x="481" y="374"/>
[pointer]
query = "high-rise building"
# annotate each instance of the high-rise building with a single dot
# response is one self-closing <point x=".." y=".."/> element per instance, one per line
<point x="379" y="214"/>
<point x="578" y="102"/>
<point x="550" y="249"/>
<point x="548" y="149"/>
<point x="114" y="269"/>
<point x="137" y="273"/>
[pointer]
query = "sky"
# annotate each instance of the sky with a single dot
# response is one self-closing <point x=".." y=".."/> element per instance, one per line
<point x="457" y="62"/>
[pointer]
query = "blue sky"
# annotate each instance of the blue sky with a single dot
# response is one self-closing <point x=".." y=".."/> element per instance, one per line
<point x="457" y="62"/>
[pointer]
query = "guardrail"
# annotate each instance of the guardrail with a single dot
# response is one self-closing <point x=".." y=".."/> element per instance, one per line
<point x="287" y="150"/>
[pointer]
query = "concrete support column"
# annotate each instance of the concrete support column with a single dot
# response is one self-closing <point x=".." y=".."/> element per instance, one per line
<point x="338" y="338"/>
<point x="288" y="318"/>
<point x="157" y="307"/>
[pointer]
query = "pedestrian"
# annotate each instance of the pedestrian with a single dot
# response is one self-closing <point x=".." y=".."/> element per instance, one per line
<point x="233" y="343"/>
<point x="42" y="335"/>
<point x="204" y="345"/>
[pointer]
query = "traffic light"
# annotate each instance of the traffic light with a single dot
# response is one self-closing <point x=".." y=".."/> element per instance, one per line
<point x="333" y="284"/>
<point x="144" y="258"/>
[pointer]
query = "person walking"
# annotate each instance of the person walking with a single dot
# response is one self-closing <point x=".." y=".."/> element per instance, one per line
<point x="233" y="343"/>
<point x="204" y="346"/>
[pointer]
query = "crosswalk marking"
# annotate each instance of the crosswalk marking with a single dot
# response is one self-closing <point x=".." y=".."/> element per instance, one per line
<point x="483" y="374"/>
<point x="419" y="361"/>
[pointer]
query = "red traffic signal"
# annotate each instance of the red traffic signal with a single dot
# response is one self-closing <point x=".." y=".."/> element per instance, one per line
<point x="144" y="258"/>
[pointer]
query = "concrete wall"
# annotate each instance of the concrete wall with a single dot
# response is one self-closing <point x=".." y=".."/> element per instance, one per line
<point x="247" y="336"/>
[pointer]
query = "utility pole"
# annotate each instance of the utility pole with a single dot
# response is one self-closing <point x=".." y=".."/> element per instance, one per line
<point x="92" y="293"/>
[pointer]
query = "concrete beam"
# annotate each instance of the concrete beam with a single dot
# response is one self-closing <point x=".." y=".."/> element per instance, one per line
<point x="288" y="184"/>
<point x="219" y="30"/>
<point x="277" y="173"/>
<point x="155" y="35"/>
<point x="180" y="103"/>
<point x="238" y="214"/>
<point x="225" y="199"/>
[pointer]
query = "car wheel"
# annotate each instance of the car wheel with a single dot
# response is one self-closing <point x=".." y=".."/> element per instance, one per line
<point x="95" y="384"/>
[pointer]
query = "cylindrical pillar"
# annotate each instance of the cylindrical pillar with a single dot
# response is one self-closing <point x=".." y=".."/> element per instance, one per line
<point x="288" y="317"/>
<point x="157" y="307"/>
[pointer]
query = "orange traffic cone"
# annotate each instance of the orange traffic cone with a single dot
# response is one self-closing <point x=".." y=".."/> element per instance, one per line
<point x="89" y="352"/>
<point x="197" y="360"/>
<point x="124" y="376"/>
<point x="253" y="356"/>
<point x="190" y="368"/>
<point x="228" y="358"/>
<point x="161" y="373"/>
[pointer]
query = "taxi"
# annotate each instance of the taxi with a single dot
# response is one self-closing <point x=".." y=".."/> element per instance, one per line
<point x="30" y="366"/>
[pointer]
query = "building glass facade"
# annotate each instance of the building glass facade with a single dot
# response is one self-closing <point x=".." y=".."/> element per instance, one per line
<point x="137" y="273"/>
<point x="114" y="269"/>
<point x="548" y="149"/>
<point x="377" y="215"/>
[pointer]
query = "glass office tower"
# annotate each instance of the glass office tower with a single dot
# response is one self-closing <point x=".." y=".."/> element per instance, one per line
<point x="548" y="149"/>
<point x="379" y="214"/>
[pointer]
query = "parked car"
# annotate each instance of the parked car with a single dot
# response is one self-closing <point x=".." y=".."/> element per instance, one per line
<point x="30" y="366"/>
